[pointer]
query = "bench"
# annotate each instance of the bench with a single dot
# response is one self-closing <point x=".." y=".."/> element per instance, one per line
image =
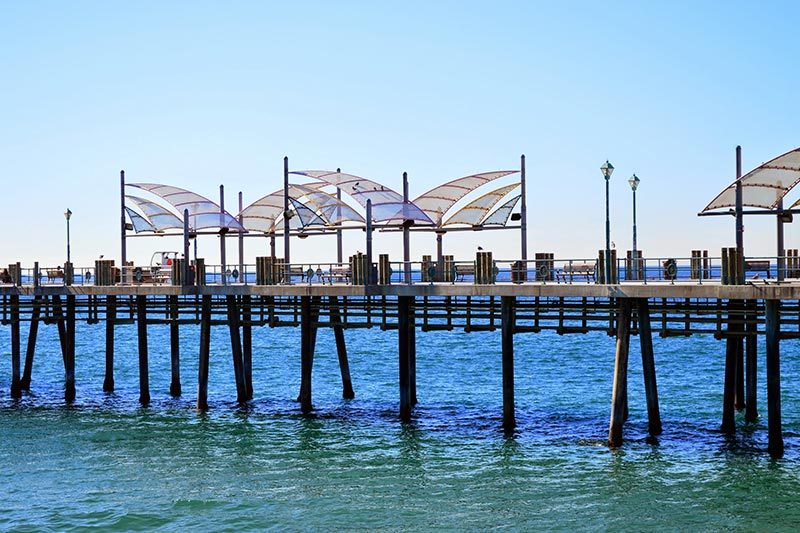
<point x="570" y="270"/>
<point x="465" y="269"/>
<point x="758" y="266"/>
<point x="53" y="275"/>
<point x="337" y="273"/>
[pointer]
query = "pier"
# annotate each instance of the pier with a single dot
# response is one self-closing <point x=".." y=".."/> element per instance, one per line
<point x="739" y="300"/>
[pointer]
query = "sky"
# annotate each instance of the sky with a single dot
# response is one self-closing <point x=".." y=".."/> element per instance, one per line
<point x="198" y="94"/>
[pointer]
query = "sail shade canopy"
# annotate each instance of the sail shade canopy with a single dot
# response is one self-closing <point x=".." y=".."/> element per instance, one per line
<point x="437" y="201"/>
<point x="203" y="212"/>
<point x="763" y="186"/>
<point x="157" y="215"/>
<point x="139" y="223"/>
<point x="500" y="215"/>
<point x="474" y="212"/>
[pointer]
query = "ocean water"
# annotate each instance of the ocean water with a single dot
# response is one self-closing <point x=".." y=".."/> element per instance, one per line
<point x="108" y="463"/>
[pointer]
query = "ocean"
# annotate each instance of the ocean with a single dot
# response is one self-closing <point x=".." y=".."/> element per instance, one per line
<point x="108" y="463"/>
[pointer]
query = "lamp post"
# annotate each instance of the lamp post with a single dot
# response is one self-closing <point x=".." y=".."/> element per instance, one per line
<point x="634" y="183"/>
<point x="607" y="169"/>
<point x="68" y="215"/>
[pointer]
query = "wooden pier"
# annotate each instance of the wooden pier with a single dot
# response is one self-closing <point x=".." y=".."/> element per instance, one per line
<point x="737" y="314"/>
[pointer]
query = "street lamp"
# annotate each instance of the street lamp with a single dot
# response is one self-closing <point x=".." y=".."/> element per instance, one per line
<point x="68" y="215"/>
<point x="607" y="169"/>
<point x="634" y="183"/>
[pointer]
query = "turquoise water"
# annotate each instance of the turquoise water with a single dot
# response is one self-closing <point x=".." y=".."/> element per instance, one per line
<point x="108" y="463"/>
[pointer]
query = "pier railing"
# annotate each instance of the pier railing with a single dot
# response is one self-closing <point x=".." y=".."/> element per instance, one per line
<point x="543" y="270"/>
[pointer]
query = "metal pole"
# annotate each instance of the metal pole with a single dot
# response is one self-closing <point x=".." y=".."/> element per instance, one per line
<point x="339" y="254"/>
<point x="368" y="278"/>
<point x="69" y="260"/>
<point x="439" y="256"/>
<point x="635" y="258"/>
<point x="122" y="224"/>
<point x="607" y="260"/>
<point x="286" y="217"/>
<point x="739" y="217"/>
<point x="222" y="231"/>
<point x="406" y="234"/>
<point x="523" y="214"/>
<point x="781" y="250"/>
<point x="186" y="270"/>
<point x="241" y="239"/>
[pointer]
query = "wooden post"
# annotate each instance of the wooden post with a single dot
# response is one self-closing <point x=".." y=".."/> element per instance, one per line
<point x="773" y="326"/>
<point x="58" y="315"/>
<point x="740" y="399"/>
<point x="620" y="387"/>
<point x="236" y="348"/>
<point x="306" y="354"/>
<point x="205" y="349"/>
<point x="507" y="318"/>
<point x="412" y="359"/>
<point x="141" y="326"/>
<point x="247" y="345"/>
<point x="174" y="347"/>
<point x="16" y="388"/>
<point x="111" y="316"/>
<point x="729" y="390"/>
<point x="404" y="310"/>
<point x="69" y="359"/>
<point x="649" y="368"/>
<point x="32" y="333"/>
<point x="341" y="347"/>
<point x="751" y="363"/>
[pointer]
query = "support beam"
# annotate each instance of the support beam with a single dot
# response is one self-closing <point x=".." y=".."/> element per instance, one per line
<point x="405" y="322"/>
<point x="31" y="349"/>
<point x="620" y="388"/>
<point x="412" y="364"/>
<point x="69" y="358"/>
<point x="773" y="326"/>
<point x="341" y="348"/>
<point x="236" y="348"/>
<point x="649" y="367"/>
<point x="507" y="316"/>
<point x="247" y="345"/>
<point x="406" y="236"/>
<point x="16" y="388"/>
<point x="111" y="317"/>
<point x="174" y="347"/>
<point x="729" y="390"/>
<point x="205" y="349"/>
<point x="739" y="402"/>
<point x="306" y="354"/>
<point x="58" y="315"/>
<point x="751" y="363"/>
<point x="141" y="326"/>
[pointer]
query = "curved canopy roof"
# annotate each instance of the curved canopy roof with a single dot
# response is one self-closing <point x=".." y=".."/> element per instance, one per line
<point x="474" y="212"/>
<point x="763" y="186"/>
<point x="437" y="201"/>
<point x="502" y="213"/>
<point x="203" y="212"/>
<point x="156" y="215"/>
<point x="387" y="205"/>
<point x="139" y="223"/>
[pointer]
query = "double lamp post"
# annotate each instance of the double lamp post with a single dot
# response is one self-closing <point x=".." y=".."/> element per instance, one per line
<point x="608" y="169"/>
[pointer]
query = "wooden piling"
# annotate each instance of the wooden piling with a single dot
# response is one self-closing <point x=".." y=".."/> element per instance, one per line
<point x="69" y="356"/>
<point x="412" y="359"/>
<point x="111" y="316"/>
<point x="620" y="386"/>
<point x="729" y="388"/>
<point x="341" y="347"/>
<point x="405" y="321"/>
<point x="751" y="364"/>
<point x="306" y="354"/>
<point x="739" y="402"/>
<point x="773" y="330"/>
<point x="247" y="345"/>
<point x="16" y="388"/>
<point x="205" y="349"/>
<point x="141" y="326"/>
<point x="58" y="316"/>
<point x="174" y="347"/>
<point x="648" y="367"/>
<point x="507" y="319"/>
<point x="236" y="348"/>
<point x="31" y="348"/>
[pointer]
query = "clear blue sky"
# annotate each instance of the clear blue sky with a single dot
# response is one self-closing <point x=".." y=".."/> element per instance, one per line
<point x="197" y="94"/>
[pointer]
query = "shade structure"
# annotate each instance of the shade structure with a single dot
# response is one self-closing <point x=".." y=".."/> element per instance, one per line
<point x="139" y="223"/>
<point x="474" y="212"/>
<point x="500" y="216"/>
<point x="203" y="213"/>
<point x="388" y="205"/>
<point x="156" y="215"/>
<point x="437" y="201"/>
<point x="763" y="186"/>
<point x="330" y="208"/>
<point x="303" y="216"/>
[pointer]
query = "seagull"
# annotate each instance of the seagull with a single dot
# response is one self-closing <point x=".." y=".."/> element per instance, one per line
<point x="480" y="248"/>
<point x="101" y="256"/>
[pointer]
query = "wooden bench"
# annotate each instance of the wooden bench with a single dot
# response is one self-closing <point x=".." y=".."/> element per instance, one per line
<point x="53" y="275"/>
<point x="337" y="273"/>
<point x="758" y="266"/>
<point x="463" y="270"/>
<point x="570" y="270"/>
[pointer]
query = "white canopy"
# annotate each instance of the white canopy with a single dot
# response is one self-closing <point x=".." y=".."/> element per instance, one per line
<point x="203" y="212"/>
<point x="474" y="212"/>
<point x="437" y="201"/>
